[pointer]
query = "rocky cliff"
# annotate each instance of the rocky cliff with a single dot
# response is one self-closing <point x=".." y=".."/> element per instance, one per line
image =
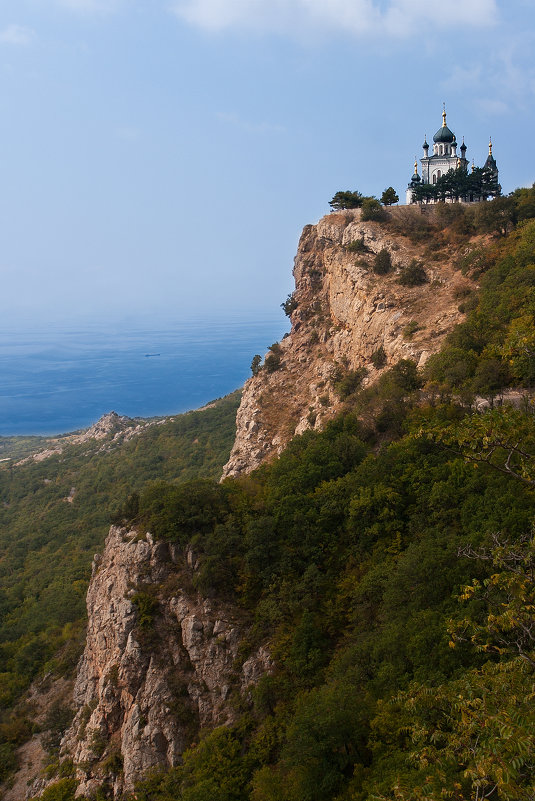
<point x="160" y="663"/>
<point x="343" y="313"/>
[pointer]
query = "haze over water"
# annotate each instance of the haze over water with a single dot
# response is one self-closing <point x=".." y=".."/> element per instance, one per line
<point x="64" y="379"/>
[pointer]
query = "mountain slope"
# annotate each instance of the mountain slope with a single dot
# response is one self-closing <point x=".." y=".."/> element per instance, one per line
<point x="373" y="585"/>
<point x="344" y="313"/>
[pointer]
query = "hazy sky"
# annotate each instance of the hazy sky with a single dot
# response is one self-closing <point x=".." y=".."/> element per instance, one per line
<point x="159" y="157"/>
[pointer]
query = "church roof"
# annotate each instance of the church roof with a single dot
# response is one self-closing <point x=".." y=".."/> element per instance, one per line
<point x="444" y="135"/>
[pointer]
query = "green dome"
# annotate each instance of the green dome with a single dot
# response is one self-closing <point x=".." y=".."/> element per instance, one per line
<point x="444" y="135"/>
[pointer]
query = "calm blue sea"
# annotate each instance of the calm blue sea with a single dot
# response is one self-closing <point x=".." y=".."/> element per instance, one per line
<point x="61" y="380"/>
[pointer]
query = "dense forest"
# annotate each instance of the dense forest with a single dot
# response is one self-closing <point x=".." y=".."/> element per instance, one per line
<point x="388" y="560"/>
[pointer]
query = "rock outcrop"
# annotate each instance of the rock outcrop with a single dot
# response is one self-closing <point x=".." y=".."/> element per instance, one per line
<point x="110" y="431"/>
<point x="160" y="663"/>
<point x="344" y="313"/>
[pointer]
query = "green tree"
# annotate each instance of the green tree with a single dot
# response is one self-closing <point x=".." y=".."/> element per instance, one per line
<point x="519" y="348"/>
<point x="389" y="196"/>
<point x="490" y="185"/>
<point x="509" y="595"/>
<point x="346" y="200"/>
<point x="179" y="512"/>
<point x="490" y="377"/>
<point x="273" y="360"/>
<point x="404" y="374"/>
<point x="289" y="305"/>
<point x="497" y="216"/>
<point x="451" y="185"/>
<point x="424" y="193"/>
<point x="413" y="274"/>
<point x="382" y="263"/>
<point x="255" y="364"/>
<point x="328" y="735"/>
<point x="215" y="769"/>
<point x="378" y="357"/>
<point x="525" y="203"/>
<point x="349" y="382"/>
<point x="358" y="246"/>
<point x="452" y="367"/>
<point x="503" y="438"/>
<point x="473" y="738"/>
<point x="469" y="740"/>
<point x="372" y="210"/>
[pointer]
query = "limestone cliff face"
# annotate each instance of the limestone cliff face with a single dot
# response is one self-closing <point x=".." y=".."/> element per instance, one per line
<point x="160" y="663"/>
<point x="344" y="313"/>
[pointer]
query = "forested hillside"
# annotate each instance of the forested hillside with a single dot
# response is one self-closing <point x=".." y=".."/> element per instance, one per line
<point x="389" y="562"/>
<point x="54" y="515"/>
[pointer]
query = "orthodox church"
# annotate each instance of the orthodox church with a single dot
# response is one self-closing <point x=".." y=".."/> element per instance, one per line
<point x="445" y="157"/>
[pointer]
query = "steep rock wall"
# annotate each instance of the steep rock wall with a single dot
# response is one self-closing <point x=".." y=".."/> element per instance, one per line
<point x="344" y="313"/>
<point x="160" y="663"/>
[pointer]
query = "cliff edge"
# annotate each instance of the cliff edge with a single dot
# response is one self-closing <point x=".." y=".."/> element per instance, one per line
<point x="344" y="313"/>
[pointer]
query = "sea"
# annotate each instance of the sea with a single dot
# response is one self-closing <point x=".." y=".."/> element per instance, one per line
<point x="62" y="378"/>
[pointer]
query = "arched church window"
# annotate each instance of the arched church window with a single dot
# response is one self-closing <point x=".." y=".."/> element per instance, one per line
<point x="446" y="150"/>
<point x="438" y="173"/>
<point x="434" y="178"/>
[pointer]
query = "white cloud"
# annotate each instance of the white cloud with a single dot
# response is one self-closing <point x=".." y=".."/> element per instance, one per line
<point x="356" y="17"/>
<point x="17" y="35"/>
<point x="505" y="82"/>
<point x="409" y="16"/>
